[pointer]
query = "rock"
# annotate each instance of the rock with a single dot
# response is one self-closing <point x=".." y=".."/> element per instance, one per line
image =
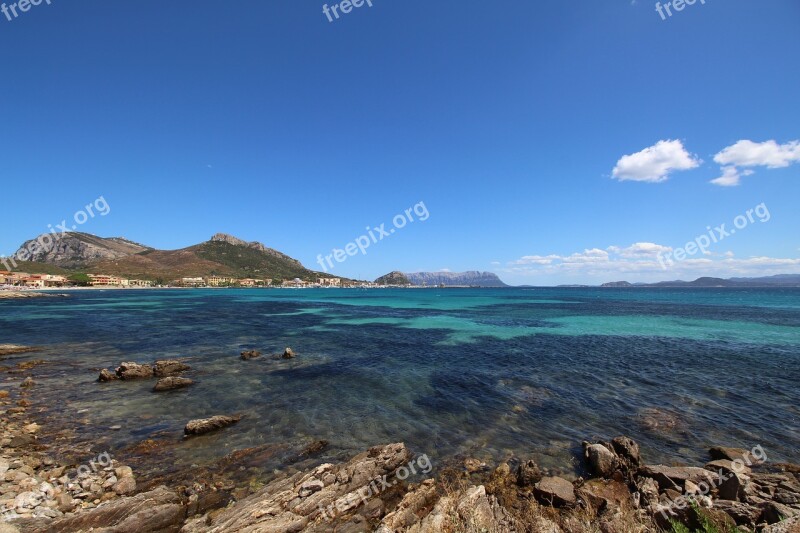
<point x="4" y="394"/>
<point x="555" y="491"/>
<point x="673" y="477"/>
<point x="528" y="474"/>
<point x="727" y="466"/>
<point x="206" y="425"/>
<point x="733" y="488"/>
<point x="604" y="495"/>
<point x="731" y="454"/>
<point x="409" y="509"/>
<point x="65" y="503"/>
<point x="250" y="354"/>
<point x="628" y="450"/>
<point x="159" y="510"/>
<point x="602" y="461"/>
<point x="742" y="513"/>
<point x="12" y="349"/>
<point x="106" y="375"/>
<point x="695" y="517"/>
<point x="129" y="371"/>
<point x="790" y="525"/>
<point x="288" y="354"/>
<point x="172" y="383"/>
<point x="279" y="506"/>
<point x="123" y="471"/>
<point x="169" y="367"/>
<point x="28" y="383"/>
<point x="125" y="486"/>
<point x="774" y="512"/>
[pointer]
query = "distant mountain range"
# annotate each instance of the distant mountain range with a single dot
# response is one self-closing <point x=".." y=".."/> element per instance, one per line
<point x="222" y="255"/>
<point x="781" y="280"/>
<point x="446" y="279"/>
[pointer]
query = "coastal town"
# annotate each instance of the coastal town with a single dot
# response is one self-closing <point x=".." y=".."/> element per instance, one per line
<point x="23" y="280"/>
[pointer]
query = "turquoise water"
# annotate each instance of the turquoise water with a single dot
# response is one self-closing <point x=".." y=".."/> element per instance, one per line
<point x="491" y="373"/>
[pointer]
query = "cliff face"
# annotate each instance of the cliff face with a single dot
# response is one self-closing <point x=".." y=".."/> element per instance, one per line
<point x="73" y="250"/>
<point x="448" y="279"/>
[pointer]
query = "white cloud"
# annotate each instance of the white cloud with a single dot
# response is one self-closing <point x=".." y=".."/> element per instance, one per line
<point x="747" y="153"/>
<point x="654" y="164"/>
<point x="640" y="262"/>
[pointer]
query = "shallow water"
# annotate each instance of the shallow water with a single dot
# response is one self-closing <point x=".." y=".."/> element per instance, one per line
<point x="491" y="373"/>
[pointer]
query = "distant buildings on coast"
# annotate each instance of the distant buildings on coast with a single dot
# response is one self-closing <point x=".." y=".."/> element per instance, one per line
<point x="20" y="280"/>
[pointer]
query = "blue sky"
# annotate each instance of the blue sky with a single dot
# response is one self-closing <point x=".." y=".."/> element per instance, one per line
<point x="510" y="121"/>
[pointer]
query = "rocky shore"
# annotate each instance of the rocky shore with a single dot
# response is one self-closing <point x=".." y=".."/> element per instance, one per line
<point x="386" y="489"/>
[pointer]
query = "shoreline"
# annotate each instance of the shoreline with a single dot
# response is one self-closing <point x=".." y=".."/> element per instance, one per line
<point x="370" y="492"/>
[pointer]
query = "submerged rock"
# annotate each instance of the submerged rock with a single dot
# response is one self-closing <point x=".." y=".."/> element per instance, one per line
<point x="250" y="354"/>
<point x="172" y="383"/>
<point x="206" y="425"/>
<point x="106" y="376"/>
<point x="28" y="383"/>
<point x="169" y="367"/>
<point x="12" y="349"/>
<point x="129" y="371"/>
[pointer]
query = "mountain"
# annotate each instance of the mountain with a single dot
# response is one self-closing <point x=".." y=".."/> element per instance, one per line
<point x="455" y="279"/>
<point x="393" y="278"/>
<point x="76" y="250"/>
<point x="222" y="255"/>
<point x="781" y="280"/>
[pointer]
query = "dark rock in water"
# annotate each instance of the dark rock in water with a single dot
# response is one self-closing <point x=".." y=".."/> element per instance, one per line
<point x="660" y="421"/>
<point x="628" y="450"/>
<point x="158" y="510"/>
<point x="250" y="354"/>
<point x="555" y="491"/>
<point x="169" y="367"/>
<point x="731" y="454"/>
<point x="134" y="371"/>
<point x="288" y="353"/>
<point x="106" y="375"/>
<point x="206" y="425"/>
<point x="528" y="474"/>
<point x="313" y="448"/>
<point x="602" y="461"/>
<point x="172" y="383"/>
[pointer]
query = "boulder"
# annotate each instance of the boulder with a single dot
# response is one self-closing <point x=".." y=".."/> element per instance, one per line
<point x="28" y="383"/>
<point x="169" y="367"/>
<point x="288" y="354"/>
<point x="731" y="454"/>
<point x="728" y="466"/>
<point x="250" y="354"/>
<point x="742" y="513"/>
<point x="733" y="488"/>
<point x="106" y="375"/>
<point x="774" y="512"/>
<point x="628" y="450"/>
<point x="555" y="491"/>
<point x="602" y="461"/>
<point x="528" y="474"/>
<point x="129" y="371"/>
<point x="172" y="383"/>
<point x="207" y="425"/>
<point x="603" y="495"/>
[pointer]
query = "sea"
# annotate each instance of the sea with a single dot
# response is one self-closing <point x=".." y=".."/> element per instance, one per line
<point x="492" y="374"/>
